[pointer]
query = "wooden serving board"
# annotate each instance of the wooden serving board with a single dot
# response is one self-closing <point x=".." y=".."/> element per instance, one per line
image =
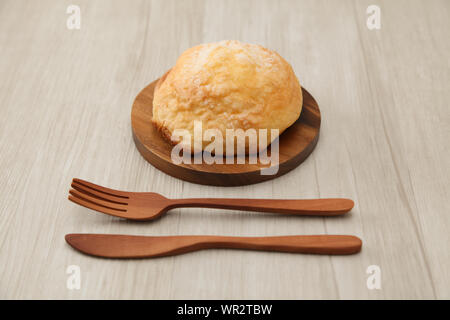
<point x="295" y="145"/>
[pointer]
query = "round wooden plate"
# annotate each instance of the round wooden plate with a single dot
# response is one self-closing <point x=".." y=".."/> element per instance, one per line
<point x="295" y="145"/>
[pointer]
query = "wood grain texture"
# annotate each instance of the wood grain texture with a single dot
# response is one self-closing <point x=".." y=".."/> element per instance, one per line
<point x="116" y="246"/>
<point x="295" y="145"/>
<point x="65" y="100"/>
<point x="145" y="206"/>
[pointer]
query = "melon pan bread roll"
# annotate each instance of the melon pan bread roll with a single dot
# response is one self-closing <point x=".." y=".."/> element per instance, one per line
<point x="227" y="85"/>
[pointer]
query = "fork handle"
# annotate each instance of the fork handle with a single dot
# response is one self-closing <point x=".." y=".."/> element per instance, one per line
<point x="318" y="207"/>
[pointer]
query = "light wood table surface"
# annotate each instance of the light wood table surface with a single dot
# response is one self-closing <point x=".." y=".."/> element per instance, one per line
<point x="65" y="101"/>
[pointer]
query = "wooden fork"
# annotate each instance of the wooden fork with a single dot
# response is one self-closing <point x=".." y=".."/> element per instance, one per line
<point x="149" y="205"/>
<point x="124" y="246"/>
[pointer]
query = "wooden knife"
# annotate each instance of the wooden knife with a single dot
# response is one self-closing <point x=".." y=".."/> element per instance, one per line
<point x="125" y="246"/>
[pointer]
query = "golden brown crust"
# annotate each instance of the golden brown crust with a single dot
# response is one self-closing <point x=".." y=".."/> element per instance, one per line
<point x="164" y="131"/>
<point x="227" y="85"/>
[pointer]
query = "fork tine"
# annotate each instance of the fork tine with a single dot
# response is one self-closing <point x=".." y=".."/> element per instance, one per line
<point x="98" y="201"/>
<point x="112" y="192"/>
<point x="94" y="193"/>
<point x="98" y="208"/>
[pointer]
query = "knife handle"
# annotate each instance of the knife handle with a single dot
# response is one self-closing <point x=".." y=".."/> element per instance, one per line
<point x="315" y="244"/>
